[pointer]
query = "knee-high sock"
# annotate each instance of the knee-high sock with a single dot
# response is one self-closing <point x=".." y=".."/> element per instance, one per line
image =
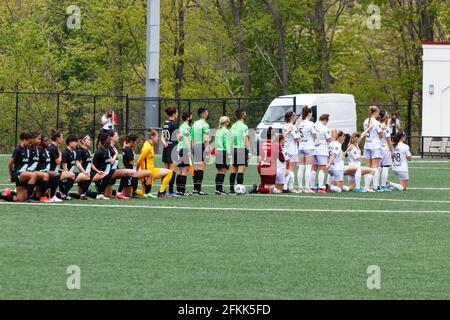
<point x="62" y="186"/>
<point x="240" y="178"/>
<point x="7" y="198"/>
<point x="197" y="182"/>
<point x="396" y="186"/>
<point x="123" y="183"/>
<point x="54" y="183"/>
<point x="376" y="178"/>
<point x="367" y="180"/>
<point x="30" y="190"/>
<point x="384" y="176"/>
<point x="300" y="174"/>
<point x="232" y="181"/>
<point x="358" y="179"/>
<point x="321" y="178"/>
<point x="102" y="185"/>
<point x="287" y="180"/>
<point x="220" y="178"/>
<point x="177" y="182"/>
<point x="165" y="182"/>
<point x="84" y="186"/>
<point x="44" y="188"/>
<point x="181" y="183"/>
<point x="308" y="174"/>
<point x="313" y="179"/>
<point x="291" y="180"/>
<point x="172" y="182"/>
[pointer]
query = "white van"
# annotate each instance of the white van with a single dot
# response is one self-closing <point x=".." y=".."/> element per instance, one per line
<point x="340" y="107"/>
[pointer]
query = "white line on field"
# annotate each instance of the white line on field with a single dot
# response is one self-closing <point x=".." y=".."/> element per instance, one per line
<point x="220" y="209"/>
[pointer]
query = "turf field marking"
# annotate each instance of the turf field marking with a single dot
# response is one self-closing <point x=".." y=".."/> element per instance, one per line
<point x="219" y="209"/>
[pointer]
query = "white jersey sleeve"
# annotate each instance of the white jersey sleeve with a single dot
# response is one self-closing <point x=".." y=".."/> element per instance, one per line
<point x="307" y="131"/>
<point x="373" y="140"/>
<point x="402" y="153"/>
<point x="354" y="156"/>
<point x="291" y="134"/>
<point x="336" y="151"/>
<point x="386" y="135"/>
<point x="321" y="142"/>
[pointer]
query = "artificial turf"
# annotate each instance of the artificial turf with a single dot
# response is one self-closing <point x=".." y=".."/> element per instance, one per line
<point x="234" y="247"/>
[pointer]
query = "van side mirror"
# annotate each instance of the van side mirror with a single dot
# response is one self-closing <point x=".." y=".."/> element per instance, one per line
<point x="314" y="113"/>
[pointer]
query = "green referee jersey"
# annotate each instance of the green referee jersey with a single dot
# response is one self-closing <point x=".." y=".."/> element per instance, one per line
<point x="222" y="140"/>
<point x="185" y="131"/>
<point x="200" y="128"/>
<point x="239" y="131"/>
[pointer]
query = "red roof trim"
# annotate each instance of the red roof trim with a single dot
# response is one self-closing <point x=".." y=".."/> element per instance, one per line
<point x="437" y="43"/>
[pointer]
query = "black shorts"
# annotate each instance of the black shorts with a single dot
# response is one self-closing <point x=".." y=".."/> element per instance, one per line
<point x="222" y="159"/>
<point x="169" y="155"/>
<point x="16" y="175"/>
<point x="240" y="157"/>
<point x="199" y="153"/>
<point x="183" y="158"/>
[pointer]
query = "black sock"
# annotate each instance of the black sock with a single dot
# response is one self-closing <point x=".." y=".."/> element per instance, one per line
<point x="62" y="186"/>
<point x="183" y="181"/>
<point x="102" y="185"/>
<point x="91" y="194"/>
<point x="7" y="198"/>
<point x="172" y="182"/>
<point x="232" y="181"/>
<point x="148" y="189"/>
<point x="84" y="186"/>
<point x="69" y="185"/>
<point x="30" y="189"/>
<point x="196" y="180"/>
<point x="54" y="182"/>
<point x="178" y="183"/>
<point x="134" y="184"/>
<point x="44" y="188"/>
<point x="123" y="183"/>
<point x="240" y="178"/>
<point x="200" y="180"/>
<point x="220" y="178"/>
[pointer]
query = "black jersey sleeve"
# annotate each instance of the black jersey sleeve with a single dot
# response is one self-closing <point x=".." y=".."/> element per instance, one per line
<point x="128" y="157"/>
<point x="65" y="157"/>
<point x="17" y="154"/>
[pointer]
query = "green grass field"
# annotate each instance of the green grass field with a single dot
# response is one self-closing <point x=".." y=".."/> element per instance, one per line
<point x="246" y="247"/>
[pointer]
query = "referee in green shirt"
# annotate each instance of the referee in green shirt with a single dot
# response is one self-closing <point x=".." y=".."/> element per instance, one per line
<point x="200" y="143"/>
<point x="241" y="149"/>
<point x="223" y="153"/>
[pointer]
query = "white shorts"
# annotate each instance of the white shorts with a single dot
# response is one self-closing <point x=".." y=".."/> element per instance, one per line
<point x="292" y="157"/>
<point x="370" y="154"/>
<point x="303" y="153"/>
<point x="337" y="175"/>
<point x="387" y="159"/>
<point x="320" y="160"/>
<point x="402" y="175"/>
<point x="280" y="178"/>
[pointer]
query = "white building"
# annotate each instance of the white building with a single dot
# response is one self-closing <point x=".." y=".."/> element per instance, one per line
<point x="436" y="91"/>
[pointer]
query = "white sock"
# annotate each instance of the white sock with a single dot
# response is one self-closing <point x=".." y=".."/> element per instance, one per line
<point x="384" y="176"/>
<point x="336" y="189"/>
<point x="286" y="180"/>
<point x="291" y="180"/>
<point x="308" y="174"/>
<point x="321" y="178"/>
<point x="358" y="179"/>
<point x="367" y="180"/>
<point x="312" y="181"/>
<point x="300" y="174"/>
<point x="376" y="179"/>
<point x="396" y="186"/>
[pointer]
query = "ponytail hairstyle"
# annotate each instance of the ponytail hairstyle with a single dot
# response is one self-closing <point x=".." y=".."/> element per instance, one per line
<point x="185" y="116"/>
<point x="372" y="110"/>
<point x="152" y="133"/>
<point x="170" y="111"/>
<point x="81" y="139"/>
<point x="355" y="136"/>
<point x="287" y="116"/>
<point x="223" y="121"/>
<point x="383" y="117"/>
<point x="306" y="111"/>
<point x="400" y="135"/>
<point x="280" y="138"/>
<point x="55" y="134"/>
<point x="102" y="139"/>
<point x="324" y="117"/>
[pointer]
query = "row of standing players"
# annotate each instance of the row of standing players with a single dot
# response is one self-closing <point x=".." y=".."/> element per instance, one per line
<point x="39" y="169"/>
<point x="317" y="150"/>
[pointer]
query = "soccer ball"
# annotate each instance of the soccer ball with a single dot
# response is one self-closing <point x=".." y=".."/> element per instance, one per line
<point x="240" y="189"/>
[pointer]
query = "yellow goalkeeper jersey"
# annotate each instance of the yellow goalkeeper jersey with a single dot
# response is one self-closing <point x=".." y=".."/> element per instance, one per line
<point x="147" y="158"/>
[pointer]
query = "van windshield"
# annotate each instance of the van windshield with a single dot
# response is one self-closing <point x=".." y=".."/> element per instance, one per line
<point x="276" y="113"/>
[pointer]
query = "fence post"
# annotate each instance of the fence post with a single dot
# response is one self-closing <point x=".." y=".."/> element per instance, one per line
<point x="295" y="106"/>
<point x="57" y="111"/>
<point x="127" y="113"/>
<point x="189" y="105"/>
<point x="159" y="112"/>
<point x="17" y="119"/>
<point x="94" y="122"/>
<point x="179" y="109"/>
<point x="224" y="107"/>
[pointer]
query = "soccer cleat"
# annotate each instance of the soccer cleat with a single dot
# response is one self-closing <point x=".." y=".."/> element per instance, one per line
<point x="121" y="197"/>
<point x="102" y="197"/>
<point x="164" y="195"/>
<point x="286" y="191"/>
<point x="149" y="195"/>
<point x="359" y="190"/>
<point x="220" y="193"/>
<point x="84" y="197"/>
<point x="308" y="190"/>
<point x="174" y="194"/>
<point x="254" y="189"/>
<point x="7" y="192"/>
<point x="328" y="188"/>
<point x="199" y="193"/>
<point x="369" y="190"/>
<point x="55" y="199"/>
<point x="45" y="199"/>
<point x="66" y="197"/>
<point x="321" y="191"/>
